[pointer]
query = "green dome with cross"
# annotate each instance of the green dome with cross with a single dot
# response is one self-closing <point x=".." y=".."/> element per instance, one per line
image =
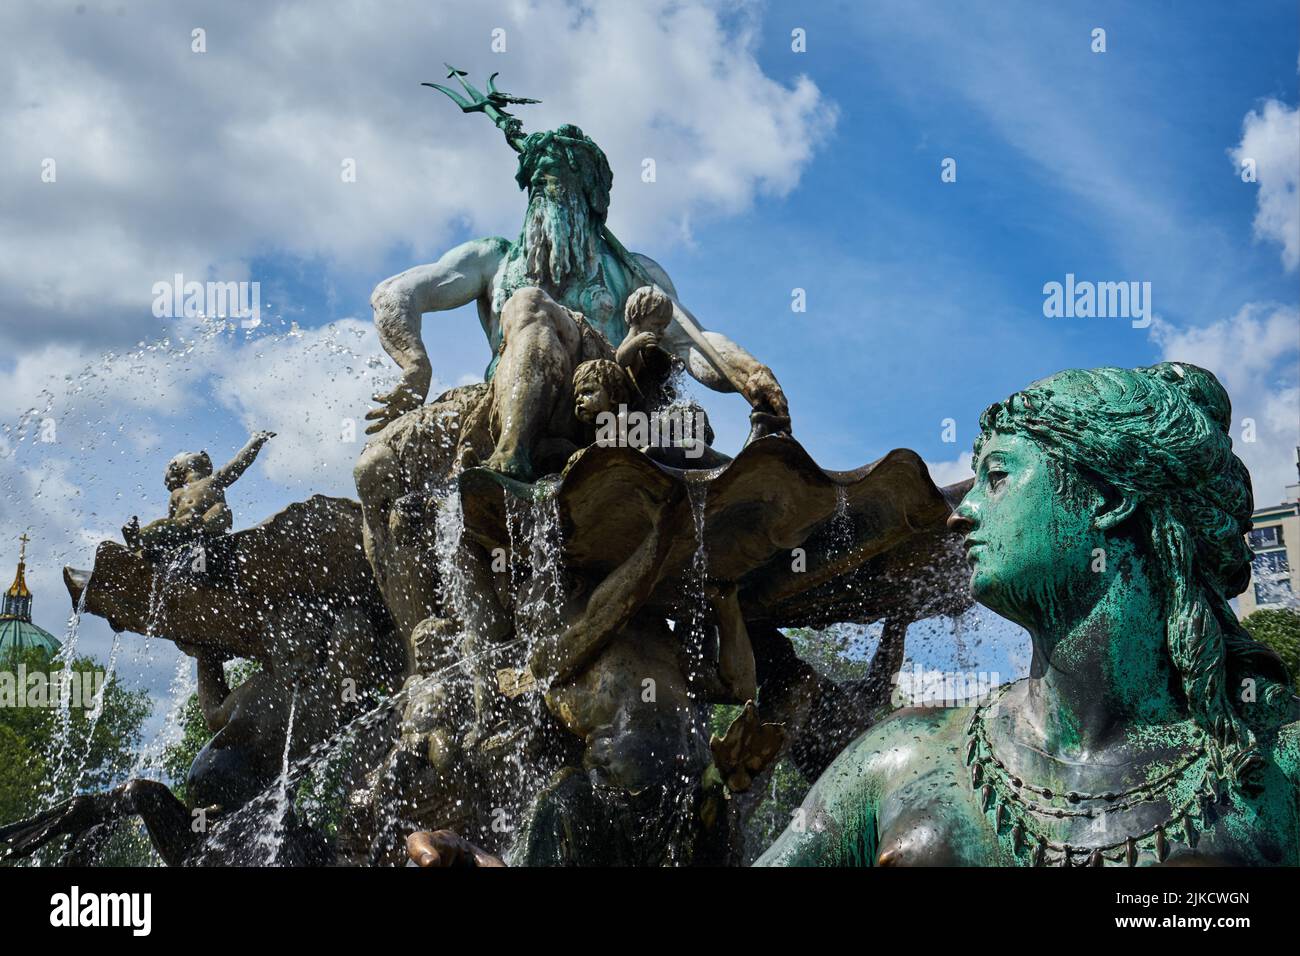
<point x="17" y="632"/>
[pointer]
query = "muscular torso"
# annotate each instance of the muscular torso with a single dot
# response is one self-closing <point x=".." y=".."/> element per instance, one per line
<point x="902" y="795"/>
<point x="599" y="299"/>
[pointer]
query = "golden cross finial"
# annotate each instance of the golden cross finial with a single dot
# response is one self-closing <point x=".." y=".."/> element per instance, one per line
<point x="22" y="547"/>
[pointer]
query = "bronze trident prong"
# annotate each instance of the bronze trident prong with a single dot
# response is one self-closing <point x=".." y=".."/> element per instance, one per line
<point x="492" y="104"/>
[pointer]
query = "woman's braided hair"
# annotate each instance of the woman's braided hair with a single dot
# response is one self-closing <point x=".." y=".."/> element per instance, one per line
<point x="1161" y="435"/>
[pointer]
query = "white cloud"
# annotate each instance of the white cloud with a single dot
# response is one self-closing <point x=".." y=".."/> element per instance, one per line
<point x="174" y="161"/>
<point x="944" y="473"/>
<point x="1271" y="137"/>
<point x="1256" y="355"/>
<point x="88" y="453"/>
<point x="87" y="450"/>
<point x="311" y="388"/>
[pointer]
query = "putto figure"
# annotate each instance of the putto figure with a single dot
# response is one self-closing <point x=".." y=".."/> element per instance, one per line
<point x="1107" y="518"/>
<point x="197" y="508"/>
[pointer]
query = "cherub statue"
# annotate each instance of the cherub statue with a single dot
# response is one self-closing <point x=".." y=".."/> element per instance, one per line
<point x="599" y="387"/>
<point x="648" y="313"/>
<point x="197" y="508"/>
<point x="677" y="435"/>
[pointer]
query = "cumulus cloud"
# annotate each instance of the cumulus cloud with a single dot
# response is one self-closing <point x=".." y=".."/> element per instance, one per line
<point x="944" y="473"/>
<point x="168" y="160"/>
<point x="87" y="452"/>
<point x="1270" y="136"/>
<point x="1256" y="354"/>
<point x="310" y="387"/>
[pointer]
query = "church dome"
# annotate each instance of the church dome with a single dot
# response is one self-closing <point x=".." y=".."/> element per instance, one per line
<point x="17" y="636"/>
<point x="17" y="632"/>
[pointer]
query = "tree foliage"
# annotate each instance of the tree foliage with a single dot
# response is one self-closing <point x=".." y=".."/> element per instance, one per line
<point x="1279" y="628"/>
<point x="49" y="753"/>
<point x="836" y="652"/>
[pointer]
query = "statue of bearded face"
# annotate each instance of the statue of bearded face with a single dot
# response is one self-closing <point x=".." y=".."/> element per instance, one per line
<point x="560" y="230"/>
<point x="568" y="181"/>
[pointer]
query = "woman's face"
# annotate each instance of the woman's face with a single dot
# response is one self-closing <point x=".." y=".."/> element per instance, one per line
<point x="1031" y="547"/>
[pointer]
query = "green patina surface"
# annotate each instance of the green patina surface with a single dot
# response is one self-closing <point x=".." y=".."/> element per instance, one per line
<point x="1108" y="518"/>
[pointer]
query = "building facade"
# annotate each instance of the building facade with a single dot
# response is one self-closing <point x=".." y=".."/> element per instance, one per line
<point x="1275" y="540"/>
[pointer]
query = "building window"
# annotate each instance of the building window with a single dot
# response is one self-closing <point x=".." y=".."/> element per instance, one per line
<point x="1270" y="537"/>
<point x="1277" y="591"/>
<point x="1271" y="564"/>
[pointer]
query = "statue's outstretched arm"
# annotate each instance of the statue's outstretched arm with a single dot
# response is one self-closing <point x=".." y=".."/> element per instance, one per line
<point x="229" y="473"/>
<point x="214" y="692"/>
<point x="463" y="275"/>
<point x="759" y="385"/>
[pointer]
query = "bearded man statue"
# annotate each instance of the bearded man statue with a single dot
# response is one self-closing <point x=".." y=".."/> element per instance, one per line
<point x="547" y="302"/>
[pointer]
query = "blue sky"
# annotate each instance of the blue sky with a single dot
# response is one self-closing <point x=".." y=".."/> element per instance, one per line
<point x="776" y="170"/>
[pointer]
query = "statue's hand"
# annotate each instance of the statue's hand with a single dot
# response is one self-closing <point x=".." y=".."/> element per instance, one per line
<point x="643" y="340"/>
<point x="747" y="749"/>
<point x="634" y="345"/>
<point x="262" y="437"/>
<point x="771" y="414"/>
<point x="446" y="848"/>
<point x="393" y="405"/>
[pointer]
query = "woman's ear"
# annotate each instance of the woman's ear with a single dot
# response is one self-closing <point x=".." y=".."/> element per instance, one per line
<point x="1114" y="511"/>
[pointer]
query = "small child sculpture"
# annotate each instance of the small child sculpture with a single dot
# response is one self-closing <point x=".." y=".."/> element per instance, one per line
<point x="647" y="312"/>
<point x="197" y="508"/>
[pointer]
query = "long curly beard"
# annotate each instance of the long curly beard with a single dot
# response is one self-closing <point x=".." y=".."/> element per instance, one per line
<point x="559" y="238"/>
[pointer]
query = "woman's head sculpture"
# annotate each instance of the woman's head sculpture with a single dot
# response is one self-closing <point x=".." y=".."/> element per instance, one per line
<point x="1134" y="467"/>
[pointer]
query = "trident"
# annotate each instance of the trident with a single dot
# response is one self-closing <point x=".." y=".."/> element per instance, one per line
<point x="492" y="105"/>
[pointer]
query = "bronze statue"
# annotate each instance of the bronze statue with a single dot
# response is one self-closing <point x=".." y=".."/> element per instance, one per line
<point x="1108" y="518"/>
<point x="197" y="509"/>
<point x="549" y="301"/>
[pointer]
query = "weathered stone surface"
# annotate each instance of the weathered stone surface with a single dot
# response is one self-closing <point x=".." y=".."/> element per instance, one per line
<point x="771" y="499"/>
<point x="254" y="582"/>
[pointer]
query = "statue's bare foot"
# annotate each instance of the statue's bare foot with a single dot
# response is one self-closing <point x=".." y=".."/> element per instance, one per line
<point x="513" y="465"/>
<point x="131" y="533"/>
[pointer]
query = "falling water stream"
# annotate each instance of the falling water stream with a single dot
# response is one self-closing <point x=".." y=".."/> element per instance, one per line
<point x="67" y="657"/>
<point x="97" y="711"/>
<point x="273" y="836"/>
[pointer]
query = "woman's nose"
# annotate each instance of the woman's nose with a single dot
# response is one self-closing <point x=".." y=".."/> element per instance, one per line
<point x="960" y="522"/>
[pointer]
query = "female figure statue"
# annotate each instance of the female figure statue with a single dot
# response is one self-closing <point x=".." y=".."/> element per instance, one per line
<point x="1107" y="518"/>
